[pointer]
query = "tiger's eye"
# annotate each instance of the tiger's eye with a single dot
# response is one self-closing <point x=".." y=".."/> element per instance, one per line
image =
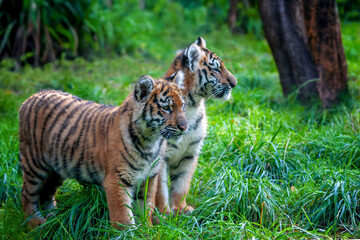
<point x="166" y="108"/>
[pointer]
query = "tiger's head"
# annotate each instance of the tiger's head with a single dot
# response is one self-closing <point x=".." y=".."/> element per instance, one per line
<point x="162" y="105"/>
<point x="205" y="72"/>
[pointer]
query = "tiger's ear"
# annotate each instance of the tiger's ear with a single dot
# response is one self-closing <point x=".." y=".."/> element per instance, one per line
<point x="143" y="87"/>
<point x="200" y="42"/>
<point x="179" y="78"/>
<point x="193" y="53"/>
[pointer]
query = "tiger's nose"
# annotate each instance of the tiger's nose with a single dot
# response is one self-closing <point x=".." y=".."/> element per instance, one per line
<point x="232" y="80"/>
<point x="182" y="127"/>
<point x="183" y="124"/>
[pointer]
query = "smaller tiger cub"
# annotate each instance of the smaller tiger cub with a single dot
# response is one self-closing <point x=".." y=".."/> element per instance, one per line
<point x="62" y="136"/>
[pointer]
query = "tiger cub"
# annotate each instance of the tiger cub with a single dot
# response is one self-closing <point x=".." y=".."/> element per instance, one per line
<point x="205" y="77"/>
<point x="62" y="136"/>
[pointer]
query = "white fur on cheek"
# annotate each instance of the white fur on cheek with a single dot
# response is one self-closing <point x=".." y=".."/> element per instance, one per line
<point x="227" y="96"/>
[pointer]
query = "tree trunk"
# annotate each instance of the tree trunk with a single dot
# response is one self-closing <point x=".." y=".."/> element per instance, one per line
<point x="232" y="15"/>
<point x="305" y="39"/>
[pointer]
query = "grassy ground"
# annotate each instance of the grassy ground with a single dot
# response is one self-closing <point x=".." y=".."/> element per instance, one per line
<point x="270" y="167"/>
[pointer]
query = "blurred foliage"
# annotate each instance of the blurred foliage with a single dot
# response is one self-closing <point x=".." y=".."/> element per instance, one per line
<point x="349" y="10"/>
<point x="40" y="31"/>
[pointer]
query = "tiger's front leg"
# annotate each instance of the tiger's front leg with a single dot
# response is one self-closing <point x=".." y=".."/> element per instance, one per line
<point x="180" y="177"/>
<point x="162" y="193"/>
<point x="151" y="196"/>
<point x="119" y="199"/>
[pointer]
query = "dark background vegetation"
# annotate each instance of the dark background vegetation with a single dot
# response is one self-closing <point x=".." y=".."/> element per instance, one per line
<point x="38" y="31"/>
<point x="270" y="168"/>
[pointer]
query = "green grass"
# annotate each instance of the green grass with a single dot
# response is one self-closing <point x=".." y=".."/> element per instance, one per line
<point x="270" y="167"/>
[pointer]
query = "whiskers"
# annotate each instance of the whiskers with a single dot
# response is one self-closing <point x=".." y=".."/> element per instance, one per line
<point x="220" y="92"/>
<point x="170" y="132"/>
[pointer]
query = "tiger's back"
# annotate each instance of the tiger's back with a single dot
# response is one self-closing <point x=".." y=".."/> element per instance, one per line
<point x="58" y="131"/>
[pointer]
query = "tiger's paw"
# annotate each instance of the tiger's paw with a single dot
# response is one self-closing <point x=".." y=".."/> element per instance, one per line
<point x="35" y="222"/>
<point x="161" y="215"/>
<point x="187" y="210"/>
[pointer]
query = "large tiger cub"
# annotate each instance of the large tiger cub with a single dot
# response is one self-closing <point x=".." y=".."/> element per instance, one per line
<point x="205" y="77"/>
<point x="62" y="136"/>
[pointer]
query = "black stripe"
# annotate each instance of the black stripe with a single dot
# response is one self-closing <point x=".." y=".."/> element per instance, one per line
<point x="103" y="126"/>
<point x="196" y="124"/>
<point x="155" y="100"/>
<point x="87" y="121"/>
<point x="126" y="182"/>
<point x="195" y="142"/>
<point x="192" y="100"/>
<point x="171" y="78"/>
<point x="159" y="121"/>
<point x="94" y="178"/>
<point x="206" y="77"/>
<point x="31" y="168"/>
<point x="91" y="169"/>
<point x="36" y="193"/>
<point x="78" y="174"/>
<point x="58" y="142"/>
<point x="94" y="175"/>
<point x="29" y="128"/>
<point x="172" y="145"/>
<point x="28" y="173"/>
<point x="109" y="122"/>
<point x="37" y="108"/>
<point x="32" y="182"/>
<point x="94" y="125"/>
<point x="129" y="163"/>
<point x="160" y="114"/>
<point x="201" y="84"/>
<point x="124" y="107"/>
<point x="139" y="195"/>
<point x="176" y="176"/>
<point x="50" y="114"/>
<point x="143" y="115"/>
<point x="166" y="92"/>
<point x="61" y="112"/>
<point x="75" y="145"/>
<point x="184" y="61"/>
<point x="186" y="158"/>
<point x="50" y="102"/>
<point x="73" y="129"/>
<point x="32" y="173"/>
<point x="154" y="175"/>
<point x="135" y="139"/>
<point x="27" y="199"/>
<point x="126" y="149"/>
<point x="205" y="64"/>
<point x="152" y="156"/>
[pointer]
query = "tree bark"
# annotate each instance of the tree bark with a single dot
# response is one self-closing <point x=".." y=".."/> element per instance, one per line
<point x="232" y="15"/>
<point x="305" y="39"/>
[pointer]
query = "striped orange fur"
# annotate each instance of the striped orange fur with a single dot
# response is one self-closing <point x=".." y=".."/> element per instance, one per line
<point x="62" y="136"/>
